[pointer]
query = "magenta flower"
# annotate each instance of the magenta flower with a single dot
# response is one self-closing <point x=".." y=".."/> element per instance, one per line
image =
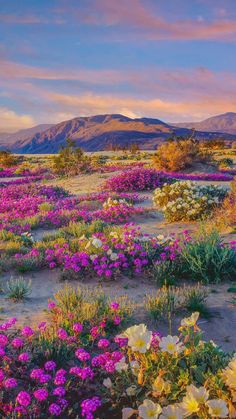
<point x="77" y="327"/>
<point x="89" y="406"/>
<point x="103" y="343"/>
<point x="59" y="391"/>
<point x="3" y="340"/>
<point x="17" y="343"/>
<point x="24" y="357"/>
<point x="54" y="409"/>
<point x="82" y="355"/>
<point x="114" y="306"/>
<point x="10" y="383"/>
<point x="23" y="398"/>
<point x="27" y="331"/>
<point x="41" y="394"/>
<point x="50" y="365"/>
<point x="62" y="334"/>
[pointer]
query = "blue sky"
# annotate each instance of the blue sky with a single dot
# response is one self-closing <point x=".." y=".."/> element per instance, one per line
<point x="171" y="60"/>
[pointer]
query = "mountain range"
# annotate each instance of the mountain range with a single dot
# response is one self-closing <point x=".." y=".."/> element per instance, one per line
<point x="100" y="132"/>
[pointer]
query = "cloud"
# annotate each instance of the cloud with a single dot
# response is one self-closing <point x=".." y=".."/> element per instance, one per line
<point x="168" y="110"/>
<point x="139" y="21"/>
<point x="10" y="121"/>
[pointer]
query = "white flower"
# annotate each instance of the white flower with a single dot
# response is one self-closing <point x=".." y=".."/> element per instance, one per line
<point x="131" y="391"/>
<point x="190" y="321"/>
<point x="127" y="412"/>
<point x="134" y="365"/>
<point x="114" y="256"/>
<point x="97" y="243"/>
<point x="139" y="338"/>
<point x="199" y="394"/>
<point x="172" y="412"/>
<point x="218" y="408"/>
<point x="121" y="365"/>
<point x="171" y="345"/>
<point x="149" y="410"/>
<point x="107" y="382"/>
<point x="92" y="257"/>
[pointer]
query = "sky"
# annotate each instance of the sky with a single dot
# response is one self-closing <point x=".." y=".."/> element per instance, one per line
<point x="173" y="60"/>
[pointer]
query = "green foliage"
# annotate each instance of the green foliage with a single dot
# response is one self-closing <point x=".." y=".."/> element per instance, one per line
<point x="71" y="161"/>
<point x="171" y="300"/>
<point x="18" y="288"/>
<point x="205" y="259"/>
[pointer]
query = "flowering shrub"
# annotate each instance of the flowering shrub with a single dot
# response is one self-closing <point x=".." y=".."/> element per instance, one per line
<point x="178" y="154"/>
<point x="135" y="374"/>
<point x="135" y="180"/>
<point x="185" y="200"/>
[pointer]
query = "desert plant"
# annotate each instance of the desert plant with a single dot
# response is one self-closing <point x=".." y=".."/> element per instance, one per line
<point x="70" y="160"/>
<point x="186" y="200"/>
<point x="7" y="159"/>
<point x="207" y="260"/>
<point x="18" y="288"/>
<point x="177" y="154"/>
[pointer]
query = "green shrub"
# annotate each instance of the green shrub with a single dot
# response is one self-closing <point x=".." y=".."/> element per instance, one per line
<point x="18" y="288"/>
<point x="207" y="260"/>
<point x="71" y="161"/>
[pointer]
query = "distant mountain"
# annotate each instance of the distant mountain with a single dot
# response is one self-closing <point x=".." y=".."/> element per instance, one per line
<point x="219" y="123"/>
<point x="8" y="139"/>
<point x="100" y="132"/>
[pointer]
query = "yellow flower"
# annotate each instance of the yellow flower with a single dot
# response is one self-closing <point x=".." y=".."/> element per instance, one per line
<point x="172" y="412"/>
<point x="139" y="338"/>
<point x="189" y="405"/>
<point x="149" y="410"/>
<point x="190" y="321"/>
<point x="199" y="394"/>
<point x="218" y="408"/>
<point x="160" y="386"/>
<point x="171" y="345"/>
<point x="229" y="375"/>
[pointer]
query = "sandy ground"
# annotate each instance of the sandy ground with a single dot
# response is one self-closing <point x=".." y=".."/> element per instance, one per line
<point x="220" y="327"/>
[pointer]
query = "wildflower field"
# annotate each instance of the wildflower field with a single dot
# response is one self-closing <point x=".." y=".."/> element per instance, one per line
<point x="117" y="287"/>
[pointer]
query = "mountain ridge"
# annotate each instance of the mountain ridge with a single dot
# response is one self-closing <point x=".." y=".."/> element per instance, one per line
<point x="99" y="132"/>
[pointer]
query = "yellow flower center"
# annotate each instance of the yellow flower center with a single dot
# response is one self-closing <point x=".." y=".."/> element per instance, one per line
<point x="151" y="413"/>
<point x="171" y="346"/>
<point x="139" y="343"/>
<point x="217" y="411"/>
<point x="192" y="405"/>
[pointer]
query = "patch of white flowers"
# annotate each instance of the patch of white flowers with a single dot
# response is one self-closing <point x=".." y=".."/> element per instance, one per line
<point x="186" y="200"/>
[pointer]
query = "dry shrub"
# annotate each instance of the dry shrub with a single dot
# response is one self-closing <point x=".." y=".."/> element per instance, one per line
<point x="225" y="216"/>
<point x="178" y="154"/>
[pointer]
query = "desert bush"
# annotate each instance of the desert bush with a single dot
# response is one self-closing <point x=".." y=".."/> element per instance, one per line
<point x="224" y="217"/>
<point x="207" y="259"/>
<point x="169" y="301"/>
<point x="178" y="154"/>
<point x="185" y="200"/>
<point x="71" y="161"/>
<point x="18" y="288"/>
<point x="7" y="159"/>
